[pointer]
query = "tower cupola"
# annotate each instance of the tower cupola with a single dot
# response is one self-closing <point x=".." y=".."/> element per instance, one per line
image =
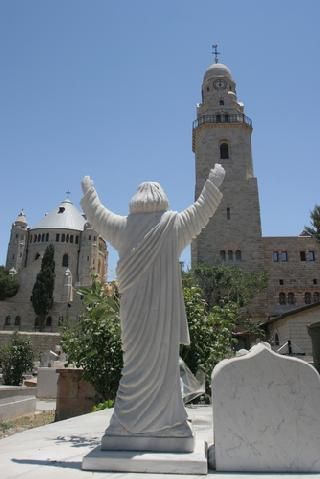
<point x="219" y="88"/>
<point x="21" y="220"/>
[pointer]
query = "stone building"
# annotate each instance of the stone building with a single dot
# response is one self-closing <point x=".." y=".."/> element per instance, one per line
<point x="222" y="134"/>
<point x="79" y="252"/>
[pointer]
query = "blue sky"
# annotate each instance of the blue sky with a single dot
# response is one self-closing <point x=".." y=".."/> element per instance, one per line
<point x="109" y="88"/>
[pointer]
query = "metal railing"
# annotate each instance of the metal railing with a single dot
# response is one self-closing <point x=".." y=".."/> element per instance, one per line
<point x="222" y="118"/>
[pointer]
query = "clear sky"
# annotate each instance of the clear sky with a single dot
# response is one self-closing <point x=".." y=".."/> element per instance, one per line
<point x="109" y="88"/>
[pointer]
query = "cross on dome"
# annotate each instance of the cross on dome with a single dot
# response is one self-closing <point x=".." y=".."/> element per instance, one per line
<point x="215" y="53"/>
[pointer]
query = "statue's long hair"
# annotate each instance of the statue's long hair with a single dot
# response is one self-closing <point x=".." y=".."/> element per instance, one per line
<point x="149" y="198"/>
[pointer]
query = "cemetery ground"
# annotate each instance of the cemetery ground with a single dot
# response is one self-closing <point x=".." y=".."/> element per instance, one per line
<point x="39" y="418"/>
<point x="44" y="414"/>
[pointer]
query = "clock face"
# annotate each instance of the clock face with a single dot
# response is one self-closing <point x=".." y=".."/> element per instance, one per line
<point x="220" y="84"/>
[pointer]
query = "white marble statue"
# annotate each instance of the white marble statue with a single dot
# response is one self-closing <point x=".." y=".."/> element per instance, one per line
<point x="149" y="242"/>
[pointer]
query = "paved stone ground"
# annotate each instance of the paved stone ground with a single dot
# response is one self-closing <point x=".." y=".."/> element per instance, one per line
<point x="55" y="451"/>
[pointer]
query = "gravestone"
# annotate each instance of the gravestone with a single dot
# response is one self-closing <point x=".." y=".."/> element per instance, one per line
<point x="266" y="413"/>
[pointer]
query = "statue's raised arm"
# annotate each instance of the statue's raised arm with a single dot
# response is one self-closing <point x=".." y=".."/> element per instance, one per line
<point x="193" y="219"/>
<point x="106" y="223"/>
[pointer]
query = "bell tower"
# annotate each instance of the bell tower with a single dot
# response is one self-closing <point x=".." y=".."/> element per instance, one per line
<point x="17" y="249"/>
<point x="222" y="134"/>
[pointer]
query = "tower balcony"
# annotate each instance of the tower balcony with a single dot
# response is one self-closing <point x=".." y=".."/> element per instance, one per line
<point x="222" y="118"/>
<point x="219" y="119"/>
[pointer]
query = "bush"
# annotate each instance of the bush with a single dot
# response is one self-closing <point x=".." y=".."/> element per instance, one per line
<point x="94" y="342"/>
<point x="16" y="358"/>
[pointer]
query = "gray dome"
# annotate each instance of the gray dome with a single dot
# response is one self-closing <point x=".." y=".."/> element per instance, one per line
<point x="64" y="216"/>
<point x="218" y="70"/>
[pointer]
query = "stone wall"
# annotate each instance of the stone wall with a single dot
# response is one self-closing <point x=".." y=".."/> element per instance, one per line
<point x="290" y="274"/>
<point x="41" y="342"/>
<point x="18" y="307"/>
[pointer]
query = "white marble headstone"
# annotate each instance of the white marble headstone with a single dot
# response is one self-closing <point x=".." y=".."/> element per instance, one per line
<point x="266" y="413"/>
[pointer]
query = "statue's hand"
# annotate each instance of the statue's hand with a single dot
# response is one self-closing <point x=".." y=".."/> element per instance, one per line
<point x="217" y="175"/>
<point x="86" y="184"/>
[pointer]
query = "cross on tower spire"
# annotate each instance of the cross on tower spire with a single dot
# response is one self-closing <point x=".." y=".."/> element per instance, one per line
<point x="215" y="52"/>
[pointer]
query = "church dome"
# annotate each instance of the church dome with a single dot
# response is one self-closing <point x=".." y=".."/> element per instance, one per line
<point x="64" y="216"/>
<point x="218" y="70"/>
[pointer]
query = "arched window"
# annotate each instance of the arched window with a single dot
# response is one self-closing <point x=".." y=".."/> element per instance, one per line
<point x="224" y="151"/>
<point x="49" y="321"/>
<point x="291" y="298"/>
<point x="7" y="321"/>
<point x="65" y="260"/>
<point x="39" y="237"/>
<point x="63" y="237"/>
<point x="238" y="255"/>
<point x="276" y="339"/>
<point x="60" y="321"/>
<point x="230" y="255"/>
<point x="47" y="236"/>
<point x="223" y="255"/>
<point x="307" y="298"/>
<point x="316" y="297"/>
<point x="17" y="321"/>
<point x="282" y="298"/>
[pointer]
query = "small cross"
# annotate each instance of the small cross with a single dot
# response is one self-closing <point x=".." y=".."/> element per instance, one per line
<point x="215" y="53"/>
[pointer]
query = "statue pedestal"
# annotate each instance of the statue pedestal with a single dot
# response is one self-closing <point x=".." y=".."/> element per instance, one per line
<point x="147" y="443"/>
<point x="151" y="462"/>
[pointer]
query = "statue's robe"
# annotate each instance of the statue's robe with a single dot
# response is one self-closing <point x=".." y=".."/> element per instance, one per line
<point x="152" y="312"/>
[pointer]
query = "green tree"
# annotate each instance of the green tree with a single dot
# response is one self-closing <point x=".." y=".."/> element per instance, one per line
<point x="42" y="293"/>
<point x="314" y="229"/>
<point x="94" y="342"/>
<point x="211" y="333"/>
<point x="8" y="284"/>
<point x="16" y="358"/>
<point x="215" y="300"/>
<point x="221" y="284"/>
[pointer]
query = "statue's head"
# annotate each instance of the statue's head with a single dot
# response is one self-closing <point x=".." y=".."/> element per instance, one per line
<point x="149" y="198"/>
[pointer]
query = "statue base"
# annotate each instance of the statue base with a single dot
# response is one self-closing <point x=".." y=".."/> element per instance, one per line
<point x="149" y="462"/>
<point x="112" y="442"/>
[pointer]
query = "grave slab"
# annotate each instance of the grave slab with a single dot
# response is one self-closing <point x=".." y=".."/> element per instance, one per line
<point x="266" y="411"/>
